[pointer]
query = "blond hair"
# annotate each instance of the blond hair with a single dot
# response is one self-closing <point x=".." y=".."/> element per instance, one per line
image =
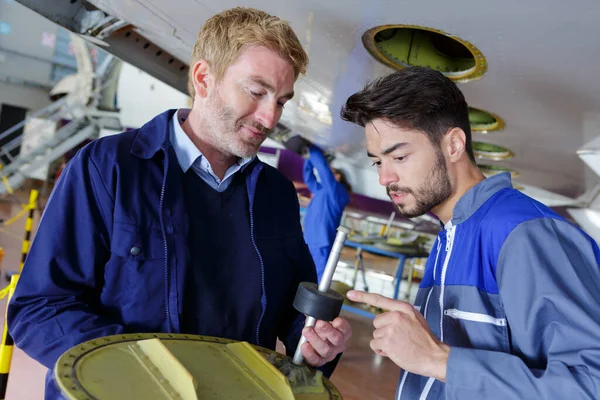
<point x="225" y="35"/>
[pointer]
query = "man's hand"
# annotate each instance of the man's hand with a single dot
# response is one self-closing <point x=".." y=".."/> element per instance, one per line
<point x="402" y="334"/>
<point x="325" y="341"/>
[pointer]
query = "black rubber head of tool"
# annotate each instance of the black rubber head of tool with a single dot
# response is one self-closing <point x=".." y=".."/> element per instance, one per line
<point x="325" y="306"/>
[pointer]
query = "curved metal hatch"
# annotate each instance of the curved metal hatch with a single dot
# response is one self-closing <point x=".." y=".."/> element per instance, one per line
<point x="491" y="170"/>
<point x="483" y="121"/>
<point x="399" y="46"/>
<point x="490" y="151"/>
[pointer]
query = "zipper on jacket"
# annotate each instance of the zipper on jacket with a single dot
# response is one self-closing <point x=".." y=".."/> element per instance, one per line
<point x="427" y="389"/>
<point x="262" y="280"/>
<point x="437" y="254"/>
<point x="405" y="376"/>
<point x="475" y="317"/>
<point x="263" y="299"/>
<point x="451" y="231"/>
<point x="430" y="381"/>
<point x="164" y="235"/>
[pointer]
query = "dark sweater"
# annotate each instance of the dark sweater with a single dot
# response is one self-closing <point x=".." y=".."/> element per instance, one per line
<point x="223" y="263"/>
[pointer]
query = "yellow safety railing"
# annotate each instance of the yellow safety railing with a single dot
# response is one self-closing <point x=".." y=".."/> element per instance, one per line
<point x="16" y="217"/>
<point x="7" y="345"/>
<point x="9" y="190"/>
<point x="31" y="206"/>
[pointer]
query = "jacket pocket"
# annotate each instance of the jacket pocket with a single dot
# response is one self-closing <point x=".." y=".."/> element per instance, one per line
<point x="478" y="330"/>
<point x="134" y="243"/>
<point x="135" y="274"/>
<point x="475" y="317"/>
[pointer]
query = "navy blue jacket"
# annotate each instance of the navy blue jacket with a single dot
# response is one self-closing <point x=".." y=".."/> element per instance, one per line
<point x="110" y="253"/>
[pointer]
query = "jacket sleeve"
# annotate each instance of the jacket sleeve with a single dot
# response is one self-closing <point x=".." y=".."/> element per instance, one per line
<point x="55" y="303"/>
<point x="549" y="281"/>
<point x="319" y="162"/>
<point x="309" y="177"/>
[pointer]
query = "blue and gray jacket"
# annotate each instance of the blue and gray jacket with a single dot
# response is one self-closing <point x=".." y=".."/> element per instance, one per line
<point x="514" y="289"/>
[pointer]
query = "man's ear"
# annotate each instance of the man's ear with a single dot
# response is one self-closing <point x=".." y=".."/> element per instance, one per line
<point x="201" y="78"/>
<point x="456" y="141"/>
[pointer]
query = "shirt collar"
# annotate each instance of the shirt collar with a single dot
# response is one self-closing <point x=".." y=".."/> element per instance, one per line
<point x="186" y="151"/>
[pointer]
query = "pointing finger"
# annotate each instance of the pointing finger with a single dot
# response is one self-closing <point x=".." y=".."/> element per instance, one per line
<point x="377" y="300"/>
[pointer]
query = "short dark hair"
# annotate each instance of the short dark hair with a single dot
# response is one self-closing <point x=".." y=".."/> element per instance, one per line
<point x="416" y="98"/>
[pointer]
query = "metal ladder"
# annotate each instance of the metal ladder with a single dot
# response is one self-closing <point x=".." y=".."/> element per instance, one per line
<point x="85" y="122"/>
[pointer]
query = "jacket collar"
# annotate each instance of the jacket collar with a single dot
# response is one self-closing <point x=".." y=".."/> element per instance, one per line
<point x="153" y="136"/>
<point x="479" y="194"/>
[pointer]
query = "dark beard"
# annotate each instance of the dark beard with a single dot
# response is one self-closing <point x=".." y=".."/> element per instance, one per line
<point x="436" y="188"/>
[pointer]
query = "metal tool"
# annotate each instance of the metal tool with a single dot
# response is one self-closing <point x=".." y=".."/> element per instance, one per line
<point x="332" y="261"/>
